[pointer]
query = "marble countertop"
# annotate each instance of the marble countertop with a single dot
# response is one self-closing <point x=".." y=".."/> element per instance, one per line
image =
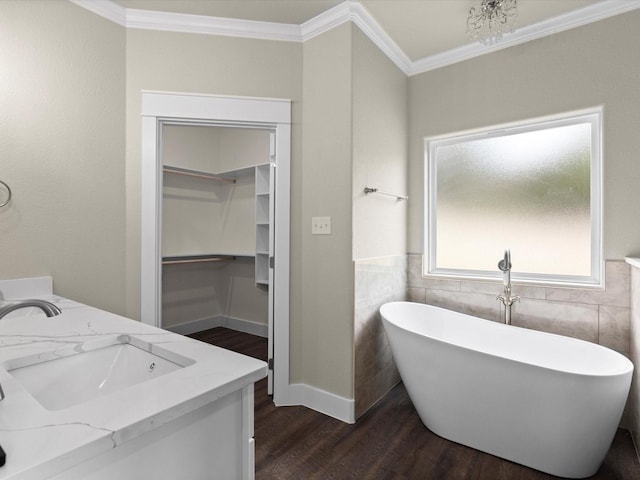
<point x="40" y="442"/>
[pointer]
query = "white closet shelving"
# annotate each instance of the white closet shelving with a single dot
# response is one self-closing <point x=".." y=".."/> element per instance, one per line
<point x="264" y="205"/>
<point x="264" y="215"/>
<point x="237" y="247"/>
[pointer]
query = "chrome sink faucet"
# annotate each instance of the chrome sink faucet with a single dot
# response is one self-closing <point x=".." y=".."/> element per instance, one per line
<point x="48" y="308"/>
<point x="506" y="298"/>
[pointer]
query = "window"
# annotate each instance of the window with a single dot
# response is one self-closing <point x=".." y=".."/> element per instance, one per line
<point x="531" y="187"/>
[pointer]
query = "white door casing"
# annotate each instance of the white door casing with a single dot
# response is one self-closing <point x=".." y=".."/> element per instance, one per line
<point x="274" y="114"/>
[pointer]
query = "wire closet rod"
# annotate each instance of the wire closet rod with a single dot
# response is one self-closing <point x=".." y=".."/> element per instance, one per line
<point x="194" y="173"/>
<point x="368" y="190"/>
<point x="197" y="259"/>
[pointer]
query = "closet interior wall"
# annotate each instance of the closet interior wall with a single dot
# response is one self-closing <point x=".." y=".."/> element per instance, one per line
<point x="209" y="228"/>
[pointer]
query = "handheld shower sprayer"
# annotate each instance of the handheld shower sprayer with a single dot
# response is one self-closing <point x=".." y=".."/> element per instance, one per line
<point x="505" y="266"/>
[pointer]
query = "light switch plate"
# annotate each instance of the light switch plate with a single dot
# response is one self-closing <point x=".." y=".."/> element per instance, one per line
<point x="321" y="225"/>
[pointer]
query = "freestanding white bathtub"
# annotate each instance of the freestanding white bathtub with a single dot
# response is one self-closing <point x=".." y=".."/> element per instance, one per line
<point x="549" y="402"/>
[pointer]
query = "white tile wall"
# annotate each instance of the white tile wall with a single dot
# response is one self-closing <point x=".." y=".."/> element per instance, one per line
<point x="597" y="315"/>
<point x="377" y="281"/>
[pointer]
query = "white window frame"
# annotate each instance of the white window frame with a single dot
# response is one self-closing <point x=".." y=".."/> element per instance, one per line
<point x="591" y="115"/>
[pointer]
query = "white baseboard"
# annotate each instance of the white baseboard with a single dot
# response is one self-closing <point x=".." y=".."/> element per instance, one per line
<point x="194" y="326"/>
<point x="330" y="404"/>
<point x="246" y="326"/>
<point x="321" y="401"/>
<point x="238" y="324"/>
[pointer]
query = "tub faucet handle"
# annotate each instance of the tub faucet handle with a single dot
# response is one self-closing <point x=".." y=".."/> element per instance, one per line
<point x="508" y="300"/>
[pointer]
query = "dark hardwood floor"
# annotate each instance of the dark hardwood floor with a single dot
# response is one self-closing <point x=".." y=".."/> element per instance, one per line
<point x="389" y="442"/>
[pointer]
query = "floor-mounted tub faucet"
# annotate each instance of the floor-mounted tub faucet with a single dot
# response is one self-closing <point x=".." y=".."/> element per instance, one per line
<point x="506" y="298"/>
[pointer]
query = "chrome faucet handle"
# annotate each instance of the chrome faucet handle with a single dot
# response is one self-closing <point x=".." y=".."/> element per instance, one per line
<point x="508" y="300"/>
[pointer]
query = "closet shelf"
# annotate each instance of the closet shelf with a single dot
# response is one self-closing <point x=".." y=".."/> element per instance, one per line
<point x="196" y="173"/>
<point x="181" y="259"/>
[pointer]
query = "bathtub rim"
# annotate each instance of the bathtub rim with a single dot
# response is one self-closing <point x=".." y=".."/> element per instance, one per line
<point x="625" y="362"/>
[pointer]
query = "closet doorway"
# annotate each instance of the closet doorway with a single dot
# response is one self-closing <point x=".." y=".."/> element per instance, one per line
<point x="213" y="253"/>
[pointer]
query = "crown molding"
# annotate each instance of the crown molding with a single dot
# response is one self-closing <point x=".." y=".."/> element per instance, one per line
<point x="106" y="9"/>
<point x="201" y="24"/>
<point x="577" y="18"/>
<point x="325" y="21"/>
<point x="372" y="29"/>
<point x="353" y="11"/>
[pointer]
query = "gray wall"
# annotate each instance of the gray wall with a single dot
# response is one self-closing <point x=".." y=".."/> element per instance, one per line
<point x="379" y="222"/>
<point x="379" y="151"/>
<point x="62" y="138"/>
<point x="597" y="64"/>
<point x="323" y="339"/>
<point x="355" y="127"/>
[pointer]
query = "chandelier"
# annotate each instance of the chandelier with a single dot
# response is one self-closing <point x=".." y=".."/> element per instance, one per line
<point x="488" y="22"/>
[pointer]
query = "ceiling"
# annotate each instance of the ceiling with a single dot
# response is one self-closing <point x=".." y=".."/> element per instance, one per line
<point x="420" y="28"/>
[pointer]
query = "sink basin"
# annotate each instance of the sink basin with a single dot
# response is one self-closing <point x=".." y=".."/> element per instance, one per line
<point x="67" y="377"/>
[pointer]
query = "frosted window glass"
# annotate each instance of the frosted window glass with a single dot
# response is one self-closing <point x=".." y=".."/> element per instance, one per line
<point x="527" y="190"/>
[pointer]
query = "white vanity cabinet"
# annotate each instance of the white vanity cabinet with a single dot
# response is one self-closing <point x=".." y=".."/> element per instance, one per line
<point x="212" y="442"/>
<point x="192" y="422"/>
